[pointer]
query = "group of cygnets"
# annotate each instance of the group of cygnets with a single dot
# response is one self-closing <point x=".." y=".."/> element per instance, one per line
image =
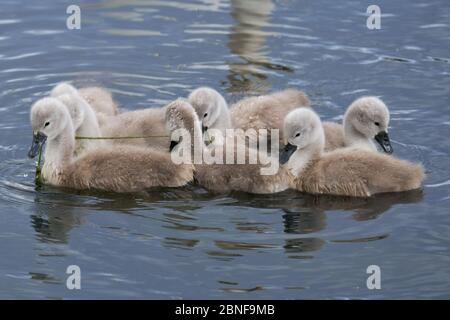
<point x="135" y="151"/>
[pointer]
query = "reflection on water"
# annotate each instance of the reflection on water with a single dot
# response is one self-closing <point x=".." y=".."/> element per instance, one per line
<point x="309" y="210"/>
<point x="55" y="225"/>
<point x="304" y="222"/>
<point x="303" y="214"/>
<point x="300" y="245"/>
<point x="201" y="5"/>
<point x="248" y="41"/>
<point x="186" y="242"/>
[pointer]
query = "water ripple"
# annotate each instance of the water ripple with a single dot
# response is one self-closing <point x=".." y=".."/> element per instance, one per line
<point x="133" y="32"/>
<point x="21" y="56"/>
<point x="17" y="182"/>
<point x="9" y="21"/>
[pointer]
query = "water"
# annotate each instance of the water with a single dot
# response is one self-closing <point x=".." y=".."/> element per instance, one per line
<point x="187" y="243"/>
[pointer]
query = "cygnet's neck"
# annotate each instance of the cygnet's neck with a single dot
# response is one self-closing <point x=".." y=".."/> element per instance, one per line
<point x="354" y="138"/>
<point x="59" y="150"/>
<point x="223" y="121"/>
<point x="89" y="126"/>
<point x="197" y="143"/>
<point x="301" y="158"/>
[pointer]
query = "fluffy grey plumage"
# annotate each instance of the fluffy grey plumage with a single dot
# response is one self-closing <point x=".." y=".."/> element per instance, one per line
<point x="347" y="171"/>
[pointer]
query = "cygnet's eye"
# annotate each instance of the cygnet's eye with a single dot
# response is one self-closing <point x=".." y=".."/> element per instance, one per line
<point x="46" y="124"/>
<point x="205" y="115"/>
<point x="377" y="124"/>
<point x="297" y="134"/>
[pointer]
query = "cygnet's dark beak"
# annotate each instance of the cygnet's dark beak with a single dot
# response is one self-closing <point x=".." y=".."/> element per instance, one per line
<point x="286" y="153"/>
<point x="383" y="139"/>
<point x="204" y="129"/>
<point x="38" y="142"/>
<point x="173" y="145"/>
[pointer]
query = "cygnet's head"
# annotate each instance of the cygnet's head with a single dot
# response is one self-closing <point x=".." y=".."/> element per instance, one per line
<point x="302" y="128"/>
<point x="208" y="104"/>
<point x="73" y="103"/>
<point x="63" y="88"/>
<point x="70" y="97"/>
<point x="49" y="117"/>
<point x="369" y="116"/>
<point x="181" y="119"/>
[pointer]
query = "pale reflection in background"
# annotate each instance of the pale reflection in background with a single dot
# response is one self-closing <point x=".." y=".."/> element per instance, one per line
<point x="248" y="40"/>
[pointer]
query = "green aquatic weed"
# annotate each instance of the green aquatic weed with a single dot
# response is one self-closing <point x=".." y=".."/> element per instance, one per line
<point x="38" y="178"/>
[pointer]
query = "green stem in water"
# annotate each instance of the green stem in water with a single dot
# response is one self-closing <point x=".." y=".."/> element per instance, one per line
<point x="114" y="138"/>
<point x="37" y="178"/>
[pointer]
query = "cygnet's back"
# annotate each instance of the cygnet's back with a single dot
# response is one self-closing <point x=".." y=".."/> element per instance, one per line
<point x="268" y="111"/>
<point x="359" y="173"/>
<point x="148" y="123"/>
<point x="125" y="169"/>
<point x="100" y="99"/>
<point x="246" y="177"/>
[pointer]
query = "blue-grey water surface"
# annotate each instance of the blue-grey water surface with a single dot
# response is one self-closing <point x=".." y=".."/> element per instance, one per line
<point x="186" y="242"/>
